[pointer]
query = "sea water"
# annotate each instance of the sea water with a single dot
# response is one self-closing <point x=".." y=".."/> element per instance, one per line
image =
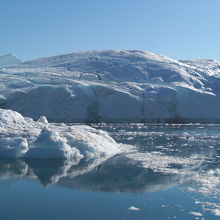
<point x="163" y="172"/>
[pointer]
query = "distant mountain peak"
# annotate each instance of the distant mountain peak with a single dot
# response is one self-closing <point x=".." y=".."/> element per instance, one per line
<point x="9" y="59"/>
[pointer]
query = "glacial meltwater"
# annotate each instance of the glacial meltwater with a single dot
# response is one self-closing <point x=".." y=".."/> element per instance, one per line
<point x="162" y="172"/>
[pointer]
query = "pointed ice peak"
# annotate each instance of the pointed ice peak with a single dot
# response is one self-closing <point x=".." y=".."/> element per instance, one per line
<point x="9" y="59"/>
<point x="10" y="55"/>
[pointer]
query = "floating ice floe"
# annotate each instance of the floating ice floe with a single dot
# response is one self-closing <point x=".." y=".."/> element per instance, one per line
<point x="196" y="214"/>
<point x="132" y="208"/>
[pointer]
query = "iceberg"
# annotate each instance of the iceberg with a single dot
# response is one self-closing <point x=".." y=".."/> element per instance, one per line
<point x="21" y="137"/>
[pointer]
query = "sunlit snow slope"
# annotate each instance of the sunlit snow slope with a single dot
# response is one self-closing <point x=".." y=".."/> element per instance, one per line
<point x="113" y="86"/>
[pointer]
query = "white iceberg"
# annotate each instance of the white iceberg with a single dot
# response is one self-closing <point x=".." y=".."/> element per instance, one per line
<point x="24" y="138"/>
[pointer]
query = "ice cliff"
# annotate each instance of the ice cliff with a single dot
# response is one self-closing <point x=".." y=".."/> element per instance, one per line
<point x="113" y="86"/>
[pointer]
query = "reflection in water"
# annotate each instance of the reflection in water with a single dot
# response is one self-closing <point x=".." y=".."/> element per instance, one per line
<point x="55" y="169"/>
<point x="11" y="169"/>
<point x="153" y="158"/>
<point x="120" y="174"/>
<point x="117" y="174"/>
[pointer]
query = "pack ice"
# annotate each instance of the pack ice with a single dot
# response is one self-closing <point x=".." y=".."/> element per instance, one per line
<point x="113" y="86"/>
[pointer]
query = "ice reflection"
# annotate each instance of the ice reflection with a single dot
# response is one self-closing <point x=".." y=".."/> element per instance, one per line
<point x="117" y="174"/>
<point x="120" y="174"/>
<point x="133" y="172"/>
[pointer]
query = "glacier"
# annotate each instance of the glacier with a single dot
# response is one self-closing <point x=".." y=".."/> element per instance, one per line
<point x="113" y="86"/>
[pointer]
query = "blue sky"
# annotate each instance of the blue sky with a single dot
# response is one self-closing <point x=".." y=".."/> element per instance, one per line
<point x="176" y="28"/>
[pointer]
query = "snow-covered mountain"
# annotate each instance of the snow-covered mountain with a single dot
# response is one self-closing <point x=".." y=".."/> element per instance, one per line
<point x="113" y="86"/>
<point x="8" y="59"/>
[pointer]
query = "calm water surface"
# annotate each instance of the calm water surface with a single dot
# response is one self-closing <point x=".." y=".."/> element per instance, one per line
<point x="163" y="172"/>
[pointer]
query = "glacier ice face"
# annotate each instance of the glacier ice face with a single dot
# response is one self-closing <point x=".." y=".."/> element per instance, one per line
<point x="113" y="86"/>
<point x="24" y="138"/>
